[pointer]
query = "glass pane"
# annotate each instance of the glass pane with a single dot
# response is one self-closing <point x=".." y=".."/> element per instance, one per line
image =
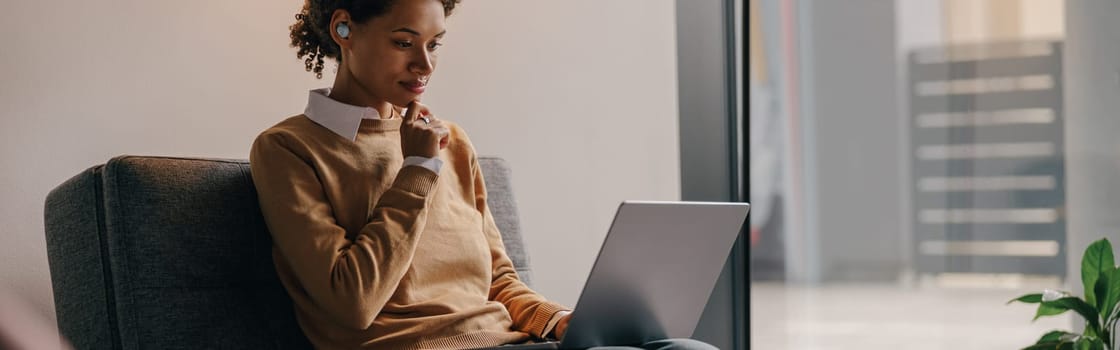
<point x="907" y="172"/>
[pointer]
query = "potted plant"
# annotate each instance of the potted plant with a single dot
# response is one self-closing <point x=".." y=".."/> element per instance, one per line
<point x="1101" y="280"/>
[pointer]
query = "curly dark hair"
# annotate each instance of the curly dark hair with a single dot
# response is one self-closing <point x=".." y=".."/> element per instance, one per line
<point x="311" y="35"/>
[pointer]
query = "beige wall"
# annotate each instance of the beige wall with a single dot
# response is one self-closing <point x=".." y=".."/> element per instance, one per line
<point x="580" y="97"/>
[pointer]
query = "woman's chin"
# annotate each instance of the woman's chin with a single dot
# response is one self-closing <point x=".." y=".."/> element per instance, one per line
<point x="404" y="101"/>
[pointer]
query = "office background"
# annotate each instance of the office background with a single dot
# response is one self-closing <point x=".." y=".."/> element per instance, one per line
<point x="579" y="96"/>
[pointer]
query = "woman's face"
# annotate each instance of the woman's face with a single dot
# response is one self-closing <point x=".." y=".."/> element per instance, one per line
<point x="392" y="56"/>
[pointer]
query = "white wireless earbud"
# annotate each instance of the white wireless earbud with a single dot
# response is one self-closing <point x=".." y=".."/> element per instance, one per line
<point x="343" y="30"/>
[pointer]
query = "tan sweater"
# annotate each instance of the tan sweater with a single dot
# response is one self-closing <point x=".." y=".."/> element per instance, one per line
<point x="379" y="256"/>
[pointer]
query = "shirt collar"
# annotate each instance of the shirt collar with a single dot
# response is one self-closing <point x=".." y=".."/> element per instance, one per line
<point x="341" y="118"/>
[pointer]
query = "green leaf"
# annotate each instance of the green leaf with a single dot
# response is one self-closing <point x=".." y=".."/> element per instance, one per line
<point x="1098" y="344"/>
<point x="1077" y="305"/>
<point x="1053" y="336"/>
<point x="1046" y="346"/>
<point x="1029" y="298"/>
<point x="1100" y="289"/>
<point x="1112" y="296"/>
<point x="1089" y="343"/>
<point x="1048" y="309"/>
<point x="1098" y="257"/>
<point x="1082" y="343"/>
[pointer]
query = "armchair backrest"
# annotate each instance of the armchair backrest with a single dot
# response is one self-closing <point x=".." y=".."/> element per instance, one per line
<point x="161" y="252"/>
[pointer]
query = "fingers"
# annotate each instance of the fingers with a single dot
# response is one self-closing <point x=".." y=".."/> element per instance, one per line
<point x="410" y="114"/>
<point x="562" y="326"/>
<point x="425" y="121"/>
<point x="415" y="110"/>
<point x="441" y="131"/>
<point x="422" y="133"/>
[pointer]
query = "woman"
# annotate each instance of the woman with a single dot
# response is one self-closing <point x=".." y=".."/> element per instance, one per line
<point x="381" y="231"/>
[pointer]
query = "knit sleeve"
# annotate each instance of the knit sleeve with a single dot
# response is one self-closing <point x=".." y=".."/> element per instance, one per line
<point x="530" y="311"/>
<point x="350" y="279"/>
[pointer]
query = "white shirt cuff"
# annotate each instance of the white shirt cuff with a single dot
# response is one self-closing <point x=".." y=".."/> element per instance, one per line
<point x="555" y="320"/>
<point x="433" y="164"/>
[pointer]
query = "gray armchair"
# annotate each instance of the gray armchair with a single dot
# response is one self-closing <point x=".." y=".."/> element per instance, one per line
<point x="160" y="253"/>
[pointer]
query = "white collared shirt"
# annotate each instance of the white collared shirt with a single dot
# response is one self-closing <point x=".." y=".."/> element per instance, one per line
<point x="344" y="120"/>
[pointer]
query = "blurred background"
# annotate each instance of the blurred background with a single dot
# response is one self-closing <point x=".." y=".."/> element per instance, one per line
<point x="914" y="164"/>
<point x="530" y="81"/>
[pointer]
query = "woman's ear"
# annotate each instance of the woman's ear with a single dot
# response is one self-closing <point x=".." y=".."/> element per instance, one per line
<point x="341" y="28"/>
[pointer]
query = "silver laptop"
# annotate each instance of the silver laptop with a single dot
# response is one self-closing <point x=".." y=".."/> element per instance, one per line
<point x="654" y="274"/>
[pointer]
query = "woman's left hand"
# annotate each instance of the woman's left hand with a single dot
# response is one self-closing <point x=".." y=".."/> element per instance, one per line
<point x="562" y="326"/>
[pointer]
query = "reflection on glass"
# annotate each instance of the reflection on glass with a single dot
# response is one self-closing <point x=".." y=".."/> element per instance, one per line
<point x="907" y="172"/>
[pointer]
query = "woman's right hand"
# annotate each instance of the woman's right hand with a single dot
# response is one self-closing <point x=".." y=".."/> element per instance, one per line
<point x="419" y="137"/>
